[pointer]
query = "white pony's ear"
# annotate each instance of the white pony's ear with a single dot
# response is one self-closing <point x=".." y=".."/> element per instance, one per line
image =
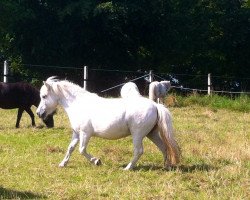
<point x="52" y="79"/>
<point x="47" y="85"/>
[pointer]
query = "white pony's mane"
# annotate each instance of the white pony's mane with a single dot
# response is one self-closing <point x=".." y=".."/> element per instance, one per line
<point x="65" y="87"/>
<point x="52" y="79"/>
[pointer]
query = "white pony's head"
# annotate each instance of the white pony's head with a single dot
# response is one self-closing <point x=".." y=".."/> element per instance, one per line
<point x="49" y="100"/>
<point x="167" y="85"/>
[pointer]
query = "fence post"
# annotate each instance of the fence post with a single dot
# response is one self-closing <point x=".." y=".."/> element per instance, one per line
<point x="5" y="72"/>
<point x="85" y="77"/>
<point x="151" y="76"/>
<point x="209" y="84"/>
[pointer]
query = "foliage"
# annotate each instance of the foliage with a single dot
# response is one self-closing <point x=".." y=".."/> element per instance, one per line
<point x="214" y="165"/>
<point x="180" y="36"/>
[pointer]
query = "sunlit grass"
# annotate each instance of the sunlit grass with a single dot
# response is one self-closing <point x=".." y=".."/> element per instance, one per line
<point x="241" y="103"/>
<point x="215" y="162"/>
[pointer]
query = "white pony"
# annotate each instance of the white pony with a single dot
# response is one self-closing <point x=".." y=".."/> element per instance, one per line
<point x="158" y="90"/>
<point x="114" y="118"/>
<point x="130" y="89"/>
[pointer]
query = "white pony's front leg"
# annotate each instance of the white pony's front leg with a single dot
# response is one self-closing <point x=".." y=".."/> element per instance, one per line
<point x="72" y="145"/>
<point x="138" y="151"/>
<point x="84" y="140"/>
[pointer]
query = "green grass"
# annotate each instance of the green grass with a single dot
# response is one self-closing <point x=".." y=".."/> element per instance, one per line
<point x="215" y="162"/>
<point x="241" y="103"/>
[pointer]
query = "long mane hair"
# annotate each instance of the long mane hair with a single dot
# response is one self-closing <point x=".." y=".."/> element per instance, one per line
<point x="65" y="87"/>
<point x="152" y="88"/>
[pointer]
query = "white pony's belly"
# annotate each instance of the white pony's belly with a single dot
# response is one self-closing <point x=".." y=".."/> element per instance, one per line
<point x="110" y="129"/>
<point x="109" y="122"/>
<point x="106" y="129"/>
<point x="111" y="134"/>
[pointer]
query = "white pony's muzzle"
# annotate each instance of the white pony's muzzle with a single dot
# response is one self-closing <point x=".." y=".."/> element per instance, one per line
<point x="41" y="112"/>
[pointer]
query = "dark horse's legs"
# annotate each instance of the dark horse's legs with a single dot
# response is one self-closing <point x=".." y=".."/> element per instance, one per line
<point x="19" y="115"/>
<point x="49" y="121"/>
<point x="29" y="111"/>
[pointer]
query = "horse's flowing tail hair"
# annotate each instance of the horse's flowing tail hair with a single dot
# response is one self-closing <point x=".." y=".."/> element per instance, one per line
<point x="151" y="94"/>
<point x="167" y="134"/>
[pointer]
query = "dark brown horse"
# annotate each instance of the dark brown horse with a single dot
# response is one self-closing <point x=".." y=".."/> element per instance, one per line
<point x="22" y="96"/>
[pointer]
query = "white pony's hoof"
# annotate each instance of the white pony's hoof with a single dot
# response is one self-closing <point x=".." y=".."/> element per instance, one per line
<point x="61" y="165"/>
<point x="128" y="167"/>
<point x="97" y="162"/>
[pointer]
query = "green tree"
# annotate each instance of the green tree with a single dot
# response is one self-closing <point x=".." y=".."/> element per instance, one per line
<point x="177" y="36"/>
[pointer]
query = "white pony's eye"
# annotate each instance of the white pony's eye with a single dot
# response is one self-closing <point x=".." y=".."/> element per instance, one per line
<point x="44" y="96"/>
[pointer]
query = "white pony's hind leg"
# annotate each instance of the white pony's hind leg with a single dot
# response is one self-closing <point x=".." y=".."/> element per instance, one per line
<point x="156" y="139"/>
<point x="138" y="151"/>
<point x="84" y="140"/>
<point x="72" y="145"/>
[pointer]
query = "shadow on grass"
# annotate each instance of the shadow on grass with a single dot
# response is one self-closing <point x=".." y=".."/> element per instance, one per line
<point x="181" y="168"/>
<point x="13" y="194"/>
<point x="199" y="167"/>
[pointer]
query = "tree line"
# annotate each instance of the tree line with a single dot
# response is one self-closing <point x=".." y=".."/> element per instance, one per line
<point x="172" y="36"/>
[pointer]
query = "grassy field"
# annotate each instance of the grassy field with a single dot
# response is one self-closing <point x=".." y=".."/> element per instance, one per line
<point x="215" y="162"/>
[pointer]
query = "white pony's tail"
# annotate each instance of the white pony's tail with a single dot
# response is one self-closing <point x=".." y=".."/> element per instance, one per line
<point x="167" y="134"/>
<point x="151" y="94"/>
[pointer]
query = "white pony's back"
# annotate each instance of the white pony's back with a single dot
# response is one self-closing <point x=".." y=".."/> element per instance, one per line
<point x="130" y="89"/>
